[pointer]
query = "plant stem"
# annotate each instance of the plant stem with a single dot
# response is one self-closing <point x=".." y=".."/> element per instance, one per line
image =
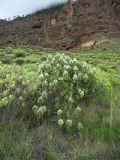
<point x="111" y="113"/>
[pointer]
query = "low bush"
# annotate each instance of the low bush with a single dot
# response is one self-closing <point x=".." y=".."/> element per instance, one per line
<point x="62" y="83"/>
<point x="17" y="85"/>
<point x="19" y="53"/>
<point x="19" y="60"/>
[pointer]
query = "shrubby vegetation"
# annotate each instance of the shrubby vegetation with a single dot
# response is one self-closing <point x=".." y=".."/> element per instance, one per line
<point x="17" y="86"/>
<point x="62" y="83"/>
<point x="55" y="106"/>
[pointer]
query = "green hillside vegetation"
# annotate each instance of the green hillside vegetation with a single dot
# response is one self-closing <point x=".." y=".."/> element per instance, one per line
<point x="60" y="105"/>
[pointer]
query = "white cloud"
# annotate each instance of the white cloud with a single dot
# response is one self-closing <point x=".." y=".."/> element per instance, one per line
<point x="10" y="8"/>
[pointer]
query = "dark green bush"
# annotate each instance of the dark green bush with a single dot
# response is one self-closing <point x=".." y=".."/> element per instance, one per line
<point x="19" y="53"/>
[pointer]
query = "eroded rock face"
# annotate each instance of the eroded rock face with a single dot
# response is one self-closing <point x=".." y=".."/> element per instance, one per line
<point x="66" y="27"/>
<point x="115" y="5"/>
<point x="69" y="8"/>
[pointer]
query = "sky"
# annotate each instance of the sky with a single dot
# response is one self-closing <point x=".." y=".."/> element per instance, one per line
<point x="11" y="8"/>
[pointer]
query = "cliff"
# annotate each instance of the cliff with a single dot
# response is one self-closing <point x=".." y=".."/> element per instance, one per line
<point x="65" y="26"/>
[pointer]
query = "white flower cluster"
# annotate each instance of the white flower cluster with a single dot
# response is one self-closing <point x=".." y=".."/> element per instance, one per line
<point x="79" y="126"/>
<point x="75" y="68"/>
<point x="75" y="61"/>
<point x="85" y="77"/>
<point x="35" y="108"/>
<point x="60" y="122"/>
<point x="78" y="109"/>
<point x="84" y="64"/>
<point x="42" y="97"/>
<point x="46" y="74"/>
<point x="81" y="92"/>
<point x="67" y="67"/>
<point x="45" y="83"/>
<point x="42" y="110"/>
<point x="41" y="76"/>
<point x="39" y="111"/>
<point x="55" y="82"/>
<point x="71" y="100"/>
<point x="40" y="66"/>
<point x="58" y="65"/>
<point x="65" y="73"/>
<point x="59" y="112"/>
<point x="69" y="122"/>
<point x="44" y="94"/>
<point x="75" y="77"/>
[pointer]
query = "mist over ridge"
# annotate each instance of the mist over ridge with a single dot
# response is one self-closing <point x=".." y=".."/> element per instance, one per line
<point x="11" y="8"/>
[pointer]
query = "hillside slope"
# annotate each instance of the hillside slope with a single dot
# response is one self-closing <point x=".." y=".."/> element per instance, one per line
<point x="65" y="26"/>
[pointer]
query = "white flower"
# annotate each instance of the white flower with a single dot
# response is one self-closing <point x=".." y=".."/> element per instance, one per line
<point x="67" y="58"/>
<point x="53" y="60"/>
<point x="59" y="112"/>
<point x="41" y="76"/>
<point x="21" y="98"/>
<point x="57" y="56"/>
<point x="42" y="109"/>
<point x="23" y="83"/>
<point x="78" y="109"/>
<point x="84" y="64"/>
<point x="81" y="92"/>
<point x="40" y="66"/>
<point x="85" y="77"/>
<point x="60" y="122"/>
<point x="91" y="71"/>
<point x="51" y="85"/>
<point x="55" y="82"/>
<point x="35" y="108"/>
<point x="75" y="77"/>
<point x="11" y="96"/>
<point x="75" y="61"/>
<point x="5" y="92"/>
<point x="40" y="99"/>
<point x="48" y="65"/>
<point x="67" y="67"/>
<point x="79" y="126"/>
<point x="61" y="79"/>
<point x="71" y="100"/>
<point x="69" y="122"/>
<point x="79" y="74"/>
<point x="62" y="57"/>
<point x="45" y="83"/>
<point x="44" y="94"/>
<point x="58" y="65"/>
<point x="49" y="57"/>
<point x="65" y="73"/>
<point x="75" y="68"/>
<point x="46" y="74"/>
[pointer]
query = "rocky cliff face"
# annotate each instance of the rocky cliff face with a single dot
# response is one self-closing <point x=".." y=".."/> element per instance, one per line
<point x="67" y="26"/>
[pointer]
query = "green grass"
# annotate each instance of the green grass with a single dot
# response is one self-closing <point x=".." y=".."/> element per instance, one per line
<point x="29" y="140"/>
<point x="15" y="142"/>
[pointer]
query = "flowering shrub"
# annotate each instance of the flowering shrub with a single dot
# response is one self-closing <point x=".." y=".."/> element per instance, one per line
<point x="17" y="85"/>
<point x="63" y="83"/>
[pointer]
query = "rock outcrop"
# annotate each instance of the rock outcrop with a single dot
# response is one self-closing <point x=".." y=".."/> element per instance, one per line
<point x="66" y="26"/>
